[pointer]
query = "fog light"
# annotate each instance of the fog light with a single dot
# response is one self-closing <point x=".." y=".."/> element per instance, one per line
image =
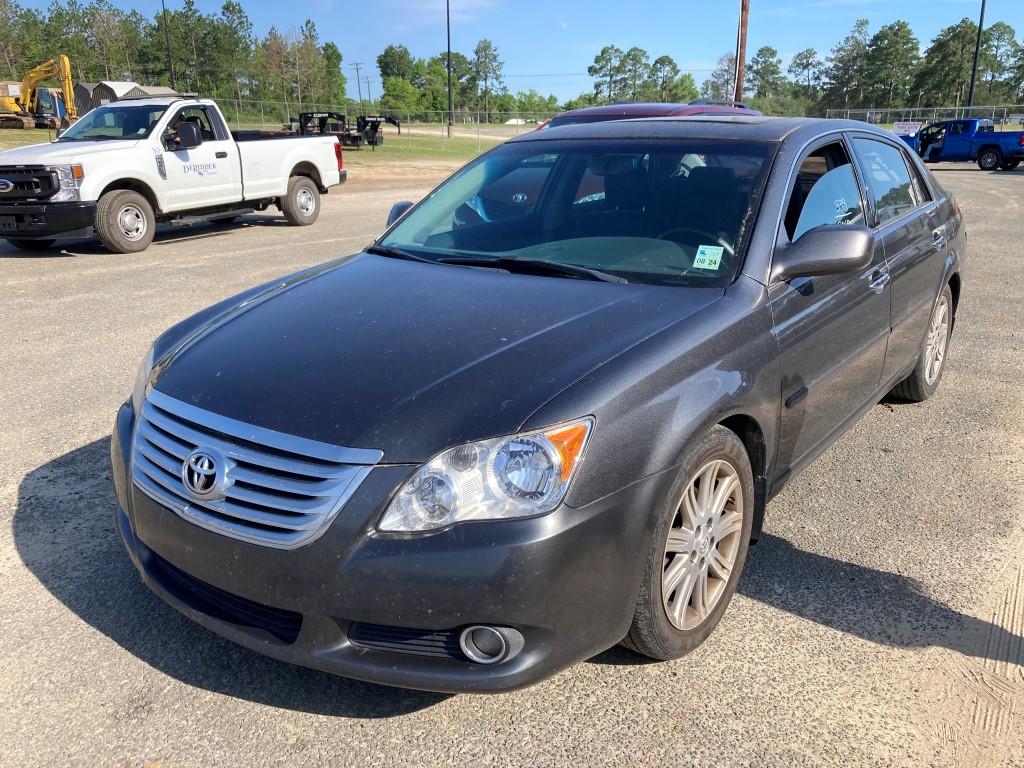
<point x="489" y="645"/>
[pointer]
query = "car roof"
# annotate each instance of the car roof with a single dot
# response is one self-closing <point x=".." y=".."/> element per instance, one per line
<point x="655" y="109"/>
<point x="734" y="127"/>
<point x="158" y="101"/>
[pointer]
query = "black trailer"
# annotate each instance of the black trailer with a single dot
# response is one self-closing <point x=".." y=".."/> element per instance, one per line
<point x="366" y="130"/>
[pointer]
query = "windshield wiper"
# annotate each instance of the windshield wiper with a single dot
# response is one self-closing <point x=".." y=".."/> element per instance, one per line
<point x="534" y="266"/>
<point x="396" y="253"/>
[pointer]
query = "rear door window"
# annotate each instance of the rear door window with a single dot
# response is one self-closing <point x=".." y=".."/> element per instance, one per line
<point x="888" y="178"/>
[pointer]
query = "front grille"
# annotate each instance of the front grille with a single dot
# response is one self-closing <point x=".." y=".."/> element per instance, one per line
<point x="270" y="488"/>
<point x="443" y="644"/>
<point x="221" y="605"/>
<point x="31" y="182"/>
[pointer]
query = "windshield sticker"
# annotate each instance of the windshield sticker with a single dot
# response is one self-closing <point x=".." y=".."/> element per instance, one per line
<point x="708" y="257"/>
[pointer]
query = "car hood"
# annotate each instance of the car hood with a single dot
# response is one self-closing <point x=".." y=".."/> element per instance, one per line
<point x="412" y="358"/>
<point x="66" y="152"/>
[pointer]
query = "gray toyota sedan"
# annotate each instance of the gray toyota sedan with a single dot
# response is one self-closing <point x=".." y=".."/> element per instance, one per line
<point x="545" y="412"/>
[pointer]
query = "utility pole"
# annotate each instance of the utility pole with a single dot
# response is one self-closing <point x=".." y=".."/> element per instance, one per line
<point x="167" y="39"/>
<point x="451" y="111"/>
<point x="359" y="83"/>
<point x="741" y="50"/>
<point x="977" y="53"/>
<point x="369" y="95"/>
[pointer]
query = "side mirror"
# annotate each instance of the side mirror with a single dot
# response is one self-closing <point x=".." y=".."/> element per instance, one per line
<point x="189" y="136"/>
<point x="398" y="211"/>
<point x="831" y="249"/>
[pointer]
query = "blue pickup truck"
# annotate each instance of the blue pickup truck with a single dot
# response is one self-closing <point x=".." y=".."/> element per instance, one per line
<point x="970" y="139"/>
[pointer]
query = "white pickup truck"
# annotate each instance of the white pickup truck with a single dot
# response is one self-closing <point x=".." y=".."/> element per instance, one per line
<point x="128" y="165"/>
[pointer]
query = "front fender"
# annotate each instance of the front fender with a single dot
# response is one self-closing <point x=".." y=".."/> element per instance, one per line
<point x="140" y="166"/>
<point x="652" y="402"/>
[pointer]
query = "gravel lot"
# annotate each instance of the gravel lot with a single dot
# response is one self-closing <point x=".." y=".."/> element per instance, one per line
<point x="880" y="620"/>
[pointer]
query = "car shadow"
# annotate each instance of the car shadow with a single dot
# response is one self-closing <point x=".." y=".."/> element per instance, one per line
<point x="65" y="533"/>
<point x="877" y="606"/>
<point x="166" y="234"/>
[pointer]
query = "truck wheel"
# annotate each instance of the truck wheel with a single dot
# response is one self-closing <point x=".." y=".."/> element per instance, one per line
<point x="31" y="245"/>
<point x="301" y="205"/>
<point x="1009" y="165"/>
<point x="698" y="549"/>
<point x="924" y="380"/>
<point x="124" y="221"/>
<point x="990" y="159"/>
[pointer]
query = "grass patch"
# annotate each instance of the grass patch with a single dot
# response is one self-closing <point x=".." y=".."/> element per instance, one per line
<point x="415" y="147"/>
<point x="12" y="137"/>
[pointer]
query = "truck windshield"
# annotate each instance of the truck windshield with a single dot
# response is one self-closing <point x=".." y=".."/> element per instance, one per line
<point x="116" y="122"/>
<point x="662" y="212"/>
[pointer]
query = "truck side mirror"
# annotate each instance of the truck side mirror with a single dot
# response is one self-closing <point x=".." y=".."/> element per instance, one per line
<point x="831" y="249"/>
<point x="398" y="211"/>
<point x="189" y="136"/>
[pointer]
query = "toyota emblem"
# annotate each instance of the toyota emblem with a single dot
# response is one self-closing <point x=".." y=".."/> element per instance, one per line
<point x="202" y="473"/>
<point x="6" y="185"/>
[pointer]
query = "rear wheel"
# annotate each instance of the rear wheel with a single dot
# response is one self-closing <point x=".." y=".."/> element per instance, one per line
<point x="698" y="549"/>
<point x="1009" y="165"/>
<point x="124" y="221"/>
<point x="924" y="380"/>
<point x="31" y="245"/>
<point x="301" y="204"/>
<point x="990" y="159"/>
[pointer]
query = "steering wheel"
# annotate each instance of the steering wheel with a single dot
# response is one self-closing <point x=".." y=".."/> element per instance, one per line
<point x="702" y="235"/>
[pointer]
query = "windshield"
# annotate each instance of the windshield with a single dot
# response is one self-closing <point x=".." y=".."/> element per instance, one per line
<point x="116" y="122"/>
<point x="663" y="212"/>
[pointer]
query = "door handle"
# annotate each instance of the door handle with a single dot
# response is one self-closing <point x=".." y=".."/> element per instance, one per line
<point x="938" y="239"/>
<point x="222" y="155"/>
<point x="878" y="281"/>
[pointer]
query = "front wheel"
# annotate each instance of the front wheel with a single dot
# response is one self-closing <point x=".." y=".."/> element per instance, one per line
<point x="301" y="204"/>
<point x="990" y="159"/>
<point x="125" y="222"/>
<point x="698" y="549"/>
<point x="924" y="380"/>
<point x="1009" y="165"/>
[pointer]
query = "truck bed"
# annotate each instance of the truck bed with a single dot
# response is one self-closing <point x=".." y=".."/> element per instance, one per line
<point x="258" y="135"/>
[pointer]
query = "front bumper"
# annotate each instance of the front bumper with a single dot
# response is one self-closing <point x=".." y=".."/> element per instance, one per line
<point x="44" y="220"/>
<point x="567" y="581"/>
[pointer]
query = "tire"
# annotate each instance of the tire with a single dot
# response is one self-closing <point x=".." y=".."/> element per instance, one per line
<point x="31" y="245"/>
<point x="655" y="633"/>
<point x="125" y="222"/>
<point x="301" y="204"/>
<point x="1009" y="165"/>
<point x="924" y="380"/>
<point x="990" y="159"/>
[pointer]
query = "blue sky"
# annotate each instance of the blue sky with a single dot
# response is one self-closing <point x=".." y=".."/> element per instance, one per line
<point x="547" y="44"/>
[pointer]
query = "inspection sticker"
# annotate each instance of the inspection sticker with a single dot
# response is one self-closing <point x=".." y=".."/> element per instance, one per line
<point x="708" y="257"/>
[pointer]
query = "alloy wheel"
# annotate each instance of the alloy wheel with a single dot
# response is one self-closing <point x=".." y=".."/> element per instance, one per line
<point x="935" y="344"/>
<point x="703" y="544"/>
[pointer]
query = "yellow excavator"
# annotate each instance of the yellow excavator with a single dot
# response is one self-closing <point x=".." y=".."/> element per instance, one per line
<point x="36" y="106"/>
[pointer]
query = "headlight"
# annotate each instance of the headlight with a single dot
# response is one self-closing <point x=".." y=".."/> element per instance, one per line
<point x="142" y="381"/>
<point x="505" y="477"/>
<point x="70" y="178"/>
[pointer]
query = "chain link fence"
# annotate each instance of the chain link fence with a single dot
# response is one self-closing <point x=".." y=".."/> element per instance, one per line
<point x="421" y="130"/>
<point x="1005" y="115"/>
